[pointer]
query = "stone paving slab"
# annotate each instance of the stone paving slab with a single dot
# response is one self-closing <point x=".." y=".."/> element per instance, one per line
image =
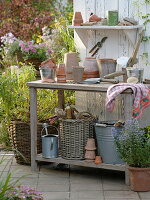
<point x="72" y="182"/>
<point x="56" y="195"/>
<point x="95" y="195"/>
<point x="119" y="195"/>
<point x="85" y="187"/>
<point x="144" y="195"/>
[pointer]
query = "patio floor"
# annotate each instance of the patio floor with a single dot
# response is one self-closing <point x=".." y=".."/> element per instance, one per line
<point x="72" y="183"/>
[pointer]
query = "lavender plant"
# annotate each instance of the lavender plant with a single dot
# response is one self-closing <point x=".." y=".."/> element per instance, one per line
<point x="133" y="144"/>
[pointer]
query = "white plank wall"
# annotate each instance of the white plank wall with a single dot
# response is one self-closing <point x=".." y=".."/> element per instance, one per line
<point x="117" y="44"/>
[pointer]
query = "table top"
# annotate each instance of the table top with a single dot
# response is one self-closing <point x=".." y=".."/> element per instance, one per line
<point x="99" y="87"/>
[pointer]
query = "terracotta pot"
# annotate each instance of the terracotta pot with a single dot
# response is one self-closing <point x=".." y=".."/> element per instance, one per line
<point x="90" y="68"/>
<point x="60" y="73"/>
<point x="77" y="74"/>
<point x="90" y="154"/>
<point x="106" y="66"/>
<point x="90" y="145"/>
<point x="139" y="178"/>
<point x="98" y="160"/>
<point x="70" y="60"/>
<point x="48" y="71"/>
<point x="77" y="19"/>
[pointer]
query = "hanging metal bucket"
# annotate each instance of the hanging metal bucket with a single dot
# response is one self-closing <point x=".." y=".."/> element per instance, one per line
<point x="49" y="144"/>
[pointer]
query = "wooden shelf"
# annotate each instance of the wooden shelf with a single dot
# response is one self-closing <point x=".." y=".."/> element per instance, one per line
<point x="100" y="27"/>
<point x="129" y="31"/>
<point x="82" y="163"/>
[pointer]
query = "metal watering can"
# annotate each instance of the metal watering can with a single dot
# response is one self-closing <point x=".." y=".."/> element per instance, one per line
<point x="49" y="143"/>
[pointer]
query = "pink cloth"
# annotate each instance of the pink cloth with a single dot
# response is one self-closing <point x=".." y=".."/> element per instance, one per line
<point x="140" y="92"/>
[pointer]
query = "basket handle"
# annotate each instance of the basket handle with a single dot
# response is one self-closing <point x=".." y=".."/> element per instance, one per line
<point x="80" y="114"/>
<point x="49" y="126"/>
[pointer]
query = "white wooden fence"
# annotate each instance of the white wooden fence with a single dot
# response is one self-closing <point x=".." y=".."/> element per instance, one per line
<point x="117" y="44"/>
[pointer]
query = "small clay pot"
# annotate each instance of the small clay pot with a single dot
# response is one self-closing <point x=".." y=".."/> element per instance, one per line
<point x="90" y="145"/>
<point x="70" y="60"/>
<point x="98" y="160"/>
<point x="77" y="73"/>
<point x="90" y="155"/>
<point x="60" y="73"/>
<point x="90" y="68"/>
<point x="77" y="19"/>
<point x="106" y="66"/>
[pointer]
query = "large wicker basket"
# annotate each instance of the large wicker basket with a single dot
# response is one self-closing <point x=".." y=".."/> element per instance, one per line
<point x="73" y="137"/>
<point x="21" y="141"/>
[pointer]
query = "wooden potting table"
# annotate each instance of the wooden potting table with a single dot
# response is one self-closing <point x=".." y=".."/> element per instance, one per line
<point x="102" y="88"/>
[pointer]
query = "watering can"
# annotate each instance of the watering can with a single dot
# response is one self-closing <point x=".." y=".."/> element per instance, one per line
<point x="49" y="142"/>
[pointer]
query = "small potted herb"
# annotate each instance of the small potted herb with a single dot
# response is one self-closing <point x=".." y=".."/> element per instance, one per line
<point x="133" y="144"/>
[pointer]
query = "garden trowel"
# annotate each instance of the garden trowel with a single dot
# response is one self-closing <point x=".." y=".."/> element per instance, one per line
<point x="98" y="80"/>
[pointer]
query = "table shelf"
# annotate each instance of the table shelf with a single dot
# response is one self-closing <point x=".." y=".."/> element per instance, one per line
<point x="82" y="163"/>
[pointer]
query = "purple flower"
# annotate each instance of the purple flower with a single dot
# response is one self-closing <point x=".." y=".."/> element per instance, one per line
<point x="33" y="50"/>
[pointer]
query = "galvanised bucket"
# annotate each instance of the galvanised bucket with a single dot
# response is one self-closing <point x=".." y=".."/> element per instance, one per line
<point x="105" y="143"/>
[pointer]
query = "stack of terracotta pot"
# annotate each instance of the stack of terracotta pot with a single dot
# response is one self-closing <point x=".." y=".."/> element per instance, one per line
<point x="90" y="149"/>
<point x="77" y="19"/>
<point x="61" y="73"/>
<point x="90" y="68"/>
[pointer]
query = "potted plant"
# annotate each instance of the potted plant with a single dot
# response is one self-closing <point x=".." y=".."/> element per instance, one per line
<point x="24" y="51"/>
<point x="133" y="144"/>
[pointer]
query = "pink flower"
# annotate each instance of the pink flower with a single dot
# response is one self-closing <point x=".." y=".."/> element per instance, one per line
<point x="21" y="44"/>
<point x="26" y="49"/>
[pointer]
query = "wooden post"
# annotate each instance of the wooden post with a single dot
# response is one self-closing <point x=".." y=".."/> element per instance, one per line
<point x="127" y="178"/>
<point x="33" y="127"/>
<point x="61" y="100"/>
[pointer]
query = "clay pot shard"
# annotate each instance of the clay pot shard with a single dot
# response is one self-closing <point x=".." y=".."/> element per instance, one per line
<point x="94" y="18"/>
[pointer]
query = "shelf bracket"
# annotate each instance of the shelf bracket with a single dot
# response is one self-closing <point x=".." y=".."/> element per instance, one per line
<point x="83" y="35"/>
<point x="132" y="35"/>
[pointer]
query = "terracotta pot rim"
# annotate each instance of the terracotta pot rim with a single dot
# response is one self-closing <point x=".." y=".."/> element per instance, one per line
<point x="91" y="73"/>
<point x="138" y="168"/>
<point x="90" y="58"/>
<point x="107" y="59"/>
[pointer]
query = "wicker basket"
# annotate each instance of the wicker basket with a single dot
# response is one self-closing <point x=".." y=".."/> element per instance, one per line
<point x="21" y="140"/>
<point x="73" y="137"/>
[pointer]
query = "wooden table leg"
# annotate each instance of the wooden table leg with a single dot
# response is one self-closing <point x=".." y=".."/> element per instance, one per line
<point x="128" y="107"/>
<point x="61" y="99"/>
<point x="33" y="127"/>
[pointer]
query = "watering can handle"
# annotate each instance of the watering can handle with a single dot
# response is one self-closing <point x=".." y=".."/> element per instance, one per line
<point x="51" y="145"/>
<point x="49" y="126"/>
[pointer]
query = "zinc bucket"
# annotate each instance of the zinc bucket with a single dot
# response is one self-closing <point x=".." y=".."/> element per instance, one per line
<point x="49" y="145"/>
<point x="105" y="143"/>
